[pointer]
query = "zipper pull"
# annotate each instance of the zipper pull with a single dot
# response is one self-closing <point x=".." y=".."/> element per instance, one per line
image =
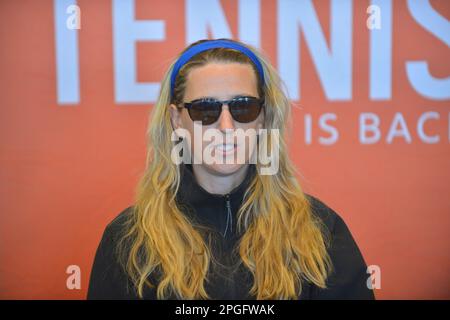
<point x="229" y="216"/>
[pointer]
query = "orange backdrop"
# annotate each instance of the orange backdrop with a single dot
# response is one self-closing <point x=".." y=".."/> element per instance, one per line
<point x="69" y="164"/>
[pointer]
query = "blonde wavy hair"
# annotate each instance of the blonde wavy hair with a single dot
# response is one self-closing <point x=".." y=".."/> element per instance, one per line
<point x="283" y="243"/>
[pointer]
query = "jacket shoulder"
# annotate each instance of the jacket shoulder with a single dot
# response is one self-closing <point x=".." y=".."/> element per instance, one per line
<point x="323" y="212"/>
<point x="117" y="224"/>
<point x="107" y="278"/>
<point x="348" y="277"/>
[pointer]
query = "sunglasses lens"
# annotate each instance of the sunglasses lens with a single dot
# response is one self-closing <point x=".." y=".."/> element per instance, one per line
<point x="205" y="111"/>
<point x="245" y="110"/>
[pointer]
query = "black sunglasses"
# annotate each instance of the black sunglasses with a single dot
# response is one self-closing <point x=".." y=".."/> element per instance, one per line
<point x="208" y="110"/>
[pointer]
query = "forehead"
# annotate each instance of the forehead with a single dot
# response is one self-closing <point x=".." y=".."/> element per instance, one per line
<point x="221" y="81"/>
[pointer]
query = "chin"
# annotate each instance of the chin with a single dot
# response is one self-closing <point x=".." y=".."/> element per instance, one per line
<point x="224" y="169"/>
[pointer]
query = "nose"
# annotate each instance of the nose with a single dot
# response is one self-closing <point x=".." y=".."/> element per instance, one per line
<point x="226" y="121"/>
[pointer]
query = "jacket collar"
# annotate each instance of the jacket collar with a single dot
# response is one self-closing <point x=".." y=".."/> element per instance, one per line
<point x="209" y="209"/>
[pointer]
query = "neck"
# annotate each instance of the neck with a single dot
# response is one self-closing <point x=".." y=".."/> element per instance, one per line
<point x="218" y="184"/>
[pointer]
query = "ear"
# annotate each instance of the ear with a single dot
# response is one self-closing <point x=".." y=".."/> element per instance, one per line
<point x="175" y="116"/>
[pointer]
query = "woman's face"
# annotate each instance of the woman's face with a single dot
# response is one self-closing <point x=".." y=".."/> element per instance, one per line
<point x="221" y="81"/>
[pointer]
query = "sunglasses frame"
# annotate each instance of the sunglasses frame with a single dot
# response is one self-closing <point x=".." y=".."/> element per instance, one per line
<point x="188" y="105"/>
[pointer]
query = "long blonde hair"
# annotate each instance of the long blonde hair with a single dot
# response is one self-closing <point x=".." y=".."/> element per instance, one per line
<point x="283" y="243"/>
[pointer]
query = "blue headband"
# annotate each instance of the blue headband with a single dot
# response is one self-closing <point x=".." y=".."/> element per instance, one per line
<point x="192" y="51"/>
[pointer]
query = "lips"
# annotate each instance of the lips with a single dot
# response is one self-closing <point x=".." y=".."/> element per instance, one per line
<point x="226" y="149"/>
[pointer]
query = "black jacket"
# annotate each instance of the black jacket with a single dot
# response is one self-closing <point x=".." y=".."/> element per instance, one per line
<point x="216" y="216"/>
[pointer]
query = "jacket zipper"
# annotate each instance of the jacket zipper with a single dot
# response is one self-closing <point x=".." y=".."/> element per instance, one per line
<point x="229" y="215"/>
<point x="232" y="285"/>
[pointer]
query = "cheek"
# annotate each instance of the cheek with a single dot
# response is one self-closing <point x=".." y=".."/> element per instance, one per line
<point x="260" y="120"/>
<point x="186" y="119"/>
<point x="188" y="124"/>
<point x="196" y="131"/>
<point x="255" y="125"/>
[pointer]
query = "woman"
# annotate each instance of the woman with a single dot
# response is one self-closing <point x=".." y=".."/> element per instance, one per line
<point x="224" y="230"/>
